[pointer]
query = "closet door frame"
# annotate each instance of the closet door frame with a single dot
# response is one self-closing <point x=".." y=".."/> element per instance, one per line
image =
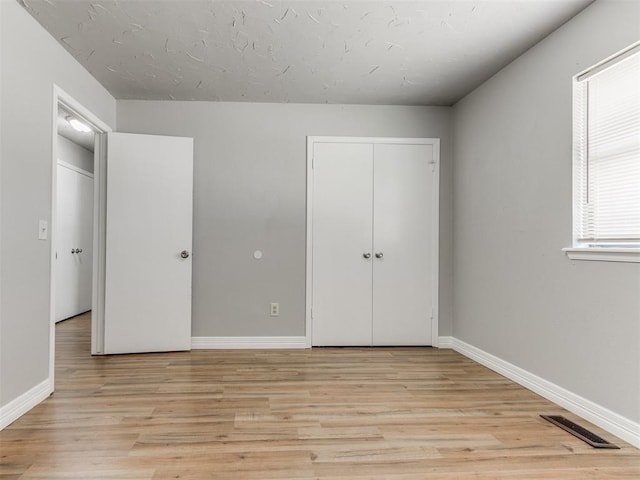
<point x="435" y="202"/>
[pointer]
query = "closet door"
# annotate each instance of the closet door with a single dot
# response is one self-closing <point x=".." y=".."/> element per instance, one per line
<point x="84" y="259"/>
<point x="403" y="236"/>
<point x="74" y="244"/>
<point x="342" y="243"/>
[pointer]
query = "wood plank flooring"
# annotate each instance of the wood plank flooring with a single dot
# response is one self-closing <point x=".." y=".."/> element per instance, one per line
<point x="384" y="413"/>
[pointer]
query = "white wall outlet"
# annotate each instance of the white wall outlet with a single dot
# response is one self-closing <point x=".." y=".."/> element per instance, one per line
<point x="275" y="310"/>
<point x="43" y="230"/>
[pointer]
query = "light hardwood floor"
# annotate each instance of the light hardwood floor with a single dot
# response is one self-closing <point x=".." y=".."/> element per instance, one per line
<point x="383" y="413"/>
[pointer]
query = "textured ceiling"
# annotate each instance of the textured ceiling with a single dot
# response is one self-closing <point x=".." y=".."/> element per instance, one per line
<point x="368" y="52"/>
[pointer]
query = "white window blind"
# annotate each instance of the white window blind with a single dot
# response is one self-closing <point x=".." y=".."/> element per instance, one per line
<point x="607" y="153"/>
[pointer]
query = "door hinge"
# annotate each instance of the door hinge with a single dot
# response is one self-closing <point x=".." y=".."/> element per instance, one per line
<point x="311" y="313"/>
<point x="313" y="162"/>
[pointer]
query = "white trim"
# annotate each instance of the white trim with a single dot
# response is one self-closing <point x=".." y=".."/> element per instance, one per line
<point x="209" y="343"/>
<point x="435" y="259"/>
<point x="376" y="140"/>
<point x="445" y="342"/>
<point x="309" y="246"/>
<point x="311" y="140"/>
<point x="74" y="168"/>
<point x="616" y="424"/>
<point x="630" y="255"/>
<point x="608" y="62"/>
<point x="17" y="407"/>
<point x="99" y="243"/>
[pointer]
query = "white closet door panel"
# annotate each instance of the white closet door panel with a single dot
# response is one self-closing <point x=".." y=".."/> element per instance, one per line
<point x="149" y="223"/>
<point x="74" y="224"/>
<point x="403" y="222"/>
<point x="84" y="259"/>
<point x="66" y="219"/>
<point x="342" y="230"/>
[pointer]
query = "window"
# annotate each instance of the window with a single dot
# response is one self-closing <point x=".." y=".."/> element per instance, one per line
<point x="606" y="160"/>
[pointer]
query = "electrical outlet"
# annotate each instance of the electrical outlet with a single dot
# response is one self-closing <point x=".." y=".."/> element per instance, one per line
<point x="275" y="310"/>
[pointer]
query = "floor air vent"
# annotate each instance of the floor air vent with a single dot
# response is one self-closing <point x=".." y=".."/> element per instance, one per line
<point x="578" y="431"/>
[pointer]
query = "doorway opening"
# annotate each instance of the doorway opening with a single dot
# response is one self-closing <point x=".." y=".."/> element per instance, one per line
<point x="77" y="211"/>
<point x="74" y="215"/>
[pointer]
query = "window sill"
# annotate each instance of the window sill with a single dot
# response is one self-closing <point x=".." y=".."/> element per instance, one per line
<point x="629" y="255"/>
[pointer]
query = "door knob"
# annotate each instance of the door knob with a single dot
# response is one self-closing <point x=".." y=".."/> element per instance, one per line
<point x="184" y="254"/>
<point x="78" y="250"/>
<point x="73" y="250"/>
<point x="366" y="255"/>
<point x="379" y="254"/>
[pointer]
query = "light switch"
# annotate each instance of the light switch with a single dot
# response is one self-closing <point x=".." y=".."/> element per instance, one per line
<point x="43" y="230"/>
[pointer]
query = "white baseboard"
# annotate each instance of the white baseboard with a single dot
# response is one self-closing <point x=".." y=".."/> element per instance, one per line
<point x="205" y="343"/>
<point x="17" y="407"/>
<point x="445" y="342"/>
<point x="616" y="424"/>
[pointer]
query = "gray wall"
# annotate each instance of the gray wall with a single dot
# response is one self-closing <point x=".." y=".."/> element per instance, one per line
<point x="32" y="61"/>
<point x="74" y="154"/>
<point x="517" y="296"/>
<point x="249" y="194"/>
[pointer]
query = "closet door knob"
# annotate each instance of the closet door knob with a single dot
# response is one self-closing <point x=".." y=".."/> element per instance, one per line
<point x="379" y="254"/>
<point x="78" y="250"/>
<point x="184" y="254"/>
<point x="73" y="250"/>
<point x="366" y="255"/>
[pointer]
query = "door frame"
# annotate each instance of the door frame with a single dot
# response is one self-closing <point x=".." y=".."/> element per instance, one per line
<point x="311" y="141"/>
<point x="60" y="97"/>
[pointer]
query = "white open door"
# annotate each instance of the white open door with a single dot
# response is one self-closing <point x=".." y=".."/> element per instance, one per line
<point x="149" y="198"/>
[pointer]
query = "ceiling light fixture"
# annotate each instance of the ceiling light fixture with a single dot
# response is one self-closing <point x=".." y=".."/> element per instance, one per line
<point x="78" y="125"/>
